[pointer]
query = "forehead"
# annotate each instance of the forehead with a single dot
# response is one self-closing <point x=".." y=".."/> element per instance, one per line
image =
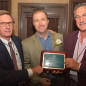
<point x="80" y="10"/>
<point x="39" y="13"/>
<point x="5" y="18"/>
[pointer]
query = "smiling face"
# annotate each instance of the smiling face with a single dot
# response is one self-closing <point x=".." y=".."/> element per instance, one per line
<point x="80" y="18"/>
<point x="40" y="22"/>
<point x="6" y="31"/>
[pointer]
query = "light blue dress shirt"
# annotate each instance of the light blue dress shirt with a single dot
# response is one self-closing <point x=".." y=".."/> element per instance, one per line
<point x="46" y="44"/>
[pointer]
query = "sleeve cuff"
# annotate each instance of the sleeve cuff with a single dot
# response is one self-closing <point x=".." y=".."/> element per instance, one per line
<point x="30" y="72"/>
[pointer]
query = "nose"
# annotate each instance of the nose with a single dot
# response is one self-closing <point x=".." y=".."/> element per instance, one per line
<point x="81" y="19"/>
<point x="40" y="22"/>
<point x="7" y="25"/>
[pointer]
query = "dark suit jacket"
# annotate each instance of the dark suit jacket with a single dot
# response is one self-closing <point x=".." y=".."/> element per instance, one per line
<point x="69" y="46"/>
<point x="8" y="77"/>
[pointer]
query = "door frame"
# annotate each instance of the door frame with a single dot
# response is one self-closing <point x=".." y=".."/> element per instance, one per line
<point x="22" y="14"/>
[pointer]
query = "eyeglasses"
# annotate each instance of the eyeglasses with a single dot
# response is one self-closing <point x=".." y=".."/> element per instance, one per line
<point x="4" y="24"/>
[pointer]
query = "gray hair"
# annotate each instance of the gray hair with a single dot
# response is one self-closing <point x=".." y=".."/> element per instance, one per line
<point x="5" y="12"/>
<point x="79" y="5"/>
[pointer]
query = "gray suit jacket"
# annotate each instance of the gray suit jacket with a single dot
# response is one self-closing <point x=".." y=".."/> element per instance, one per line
<point x="32" y="49"/>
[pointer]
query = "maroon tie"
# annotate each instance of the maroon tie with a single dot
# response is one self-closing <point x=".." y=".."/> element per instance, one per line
<point x="13" y="56"/>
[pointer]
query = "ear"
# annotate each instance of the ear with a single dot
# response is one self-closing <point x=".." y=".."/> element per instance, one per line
<point x="33" y="23"/>
<point x="48" y="21"/>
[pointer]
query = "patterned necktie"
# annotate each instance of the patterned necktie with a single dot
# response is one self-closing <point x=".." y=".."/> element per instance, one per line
<point x="13" y="56"/>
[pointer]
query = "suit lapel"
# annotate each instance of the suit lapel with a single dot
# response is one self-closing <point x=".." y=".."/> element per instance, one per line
<point x="37" y="43"/>
<point x="53" y="38"/>
<point x="53" y="41"/>
<point x="17" y="44"/>
<point x="19" y="48"/>
<point x="6" y="56"/>
<point x="70" y="43"/>
<point x="73" y="42"/>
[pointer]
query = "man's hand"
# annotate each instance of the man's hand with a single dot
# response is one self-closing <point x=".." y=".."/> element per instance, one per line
<point x="54" y="72"/>
<point x="71" y="63"/>
<point x="37" y="69"/>
<point x="45" y="82"/>
<point x="51" y="31"/>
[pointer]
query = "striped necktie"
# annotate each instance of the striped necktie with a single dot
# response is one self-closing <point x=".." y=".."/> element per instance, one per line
<point x="13" y="56"/>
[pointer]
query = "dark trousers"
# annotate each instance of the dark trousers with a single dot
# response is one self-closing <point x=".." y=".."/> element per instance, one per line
<point x="58" y="81"/>
<point x="72" y="83"/>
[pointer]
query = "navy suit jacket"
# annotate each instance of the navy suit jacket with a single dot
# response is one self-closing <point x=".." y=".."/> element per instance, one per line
<point x="69" y="46"/>
<point x="8" y="76"/>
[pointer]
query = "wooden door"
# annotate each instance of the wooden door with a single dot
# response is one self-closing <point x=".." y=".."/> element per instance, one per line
<point x="5" y="5"/>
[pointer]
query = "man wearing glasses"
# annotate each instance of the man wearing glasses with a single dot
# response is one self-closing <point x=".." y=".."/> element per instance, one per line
<point x="12" y="72"/>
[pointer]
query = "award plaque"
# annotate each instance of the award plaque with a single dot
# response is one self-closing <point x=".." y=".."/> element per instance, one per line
<point x="53" y="60"/>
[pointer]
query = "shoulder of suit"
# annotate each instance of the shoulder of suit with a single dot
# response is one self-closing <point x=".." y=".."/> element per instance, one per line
<point x="74" y="33"/>
<point x="16" y="37"/>
<point x="56" y="34"/>
<point x="29" y="39"/>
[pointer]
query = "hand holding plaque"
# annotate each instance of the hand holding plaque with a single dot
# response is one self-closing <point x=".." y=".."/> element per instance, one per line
<point x="53" y="60"/>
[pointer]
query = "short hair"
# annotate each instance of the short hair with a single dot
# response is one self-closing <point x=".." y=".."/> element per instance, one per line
<point x="39" y="10"/>
<point x="79" y="5"/>
<point x="3" y="12"/>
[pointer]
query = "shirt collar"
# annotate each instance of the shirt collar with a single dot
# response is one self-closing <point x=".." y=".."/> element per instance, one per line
<point x="5" y="41"/>
<point x="42" y="37"/>
<point x="79" y="36"/>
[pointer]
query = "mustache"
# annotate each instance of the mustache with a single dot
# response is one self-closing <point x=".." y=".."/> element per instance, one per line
<point x="82" y="23"/>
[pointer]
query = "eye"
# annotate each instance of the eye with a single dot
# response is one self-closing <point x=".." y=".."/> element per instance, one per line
<point x="36" y="20"/>
<point x="43" y="19"/>
<point x="3" y="23"/>
<point x="84" y="15"/>
<point x="77" y="17"/>
<point x="10" y="23"/>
